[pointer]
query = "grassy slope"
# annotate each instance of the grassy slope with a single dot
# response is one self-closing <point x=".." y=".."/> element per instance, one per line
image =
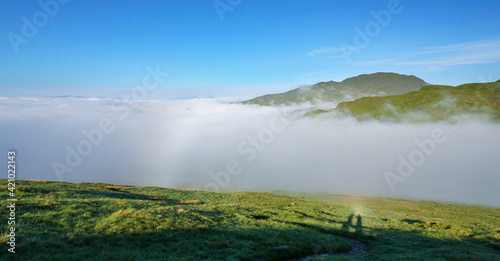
<point x="320" y="92"/>
<point x="431" y="103"/>
<point x="95" y="221"/>
<point x="351" y="88"/>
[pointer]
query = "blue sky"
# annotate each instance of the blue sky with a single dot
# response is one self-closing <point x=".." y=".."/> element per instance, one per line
<point x="99" y="48"/>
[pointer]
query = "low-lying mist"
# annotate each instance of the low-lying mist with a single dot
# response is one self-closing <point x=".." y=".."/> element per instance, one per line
<point x="221" y="145"/>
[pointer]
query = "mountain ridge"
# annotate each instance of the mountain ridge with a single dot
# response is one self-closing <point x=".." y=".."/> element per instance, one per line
<point x="375" y="84"/>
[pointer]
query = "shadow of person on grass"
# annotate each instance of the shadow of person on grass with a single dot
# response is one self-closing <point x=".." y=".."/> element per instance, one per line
<point x="349" y="224"/>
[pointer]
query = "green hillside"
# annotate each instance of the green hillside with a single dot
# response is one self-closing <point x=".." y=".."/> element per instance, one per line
<point x="376" y="84"/>
<point x="96" y="221"/>
<point x="431" y="103"/>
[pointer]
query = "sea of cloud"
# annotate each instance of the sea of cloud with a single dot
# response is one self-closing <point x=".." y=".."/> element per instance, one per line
<point x="219" y="144"/>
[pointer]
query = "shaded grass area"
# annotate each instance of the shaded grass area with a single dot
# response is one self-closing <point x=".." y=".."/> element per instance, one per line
<point x="96" y="221"/>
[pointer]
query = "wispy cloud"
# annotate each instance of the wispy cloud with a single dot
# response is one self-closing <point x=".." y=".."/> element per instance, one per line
<point x="469" y="46"/>
<point x="332" y="49"/>
<point x="325" y="50"/>
<point x="437" y="58"/>
<point x="479" y="52"/>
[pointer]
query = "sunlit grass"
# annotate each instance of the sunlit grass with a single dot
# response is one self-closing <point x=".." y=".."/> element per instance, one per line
<point x="95" y="221"/>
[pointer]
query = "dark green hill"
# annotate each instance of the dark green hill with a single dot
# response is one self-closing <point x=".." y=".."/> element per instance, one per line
<point x="376" y="84"/>
<point x="390" y="83"/>
<point x="431" y="103"/>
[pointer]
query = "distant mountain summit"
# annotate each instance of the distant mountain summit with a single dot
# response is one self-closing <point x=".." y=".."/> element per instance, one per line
<point x="390" y="83"/>
<point x="376" y="84"/>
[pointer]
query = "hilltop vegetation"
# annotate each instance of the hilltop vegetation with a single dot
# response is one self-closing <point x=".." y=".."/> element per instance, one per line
<point x="431" y="103"/>
<point x="389" y="83"/>
<point x="96" y="221"/>
<point x="376" y="84"/>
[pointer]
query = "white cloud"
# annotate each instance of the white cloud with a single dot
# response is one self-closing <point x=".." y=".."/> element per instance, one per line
<point x="325" y="50"/>
<point x="177" y="143"/>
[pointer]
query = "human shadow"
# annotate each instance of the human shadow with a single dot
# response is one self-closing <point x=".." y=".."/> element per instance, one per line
<point x="350" y="225"/>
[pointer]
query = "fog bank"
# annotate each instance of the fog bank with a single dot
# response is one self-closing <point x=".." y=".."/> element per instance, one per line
<point x="219" y="145"/>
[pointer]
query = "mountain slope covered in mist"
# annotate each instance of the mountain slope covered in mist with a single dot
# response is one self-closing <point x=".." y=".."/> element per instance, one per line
<point x="376" y="84"/>
<point x="431" y="103"/>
